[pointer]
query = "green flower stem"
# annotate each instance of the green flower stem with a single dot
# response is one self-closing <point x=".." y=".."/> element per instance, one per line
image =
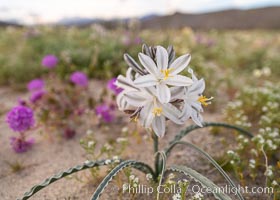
<point x="157" y="156"/>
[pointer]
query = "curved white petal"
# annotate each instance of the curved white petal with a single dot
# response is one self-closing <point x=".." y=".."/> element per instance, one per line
<point x="194" y="78"/>
<point x="158" y="125"/>
<point x="145" y="81"/>
<point x="163" y="93"/>
<point x="180" y="64"/>
<point x="136" y="99"/>
<point x="146" y="115"/>
<point x="149" y="64"/>
<point x="177" y="93"/>
<point x="125" y="83"/>
<point x="122" y="102"/>
<point x="197" y="118"/>
<point x="172" y="113"/>
<point x="162" y="58"/>
<point x="197" y="87"/>
<point x="179" y="80"/>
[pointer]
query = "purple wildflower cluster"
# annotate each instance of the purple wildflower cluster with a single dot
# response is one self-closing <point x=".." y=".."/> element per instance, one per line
<point x="50" y="61"/>
<point x="79" y="78"/>
<point x="105" y="112"/>
<point x="36" y="87"/>
<point x="35" y="84"/>
<point x="21" y="145"/>
<point x="20" y="119"/>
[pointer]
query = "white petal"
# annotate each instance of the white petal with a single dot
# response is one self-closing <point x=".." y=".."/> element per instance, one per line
<point x="163" y="93"/>
<point x="158" y="125"/>
<point x="179" y="80"/>
<point x="122" y="102"/>
<point x="172" y="113"/>
<point x="197" y="118"/>
<point x="136" y="99"/>
<point x="197" y="87"/>
<point x="186" y="112"/>
<point x="146" y="115"/>
<point x="193" y="76"/>
<point x="162" y="58"/>
<point x="180" y="64"/>
<point x="145" y="81"/>
<point x="176" y="93"/>
<point x="125" y="83"/>
<point x="149" y="64"/>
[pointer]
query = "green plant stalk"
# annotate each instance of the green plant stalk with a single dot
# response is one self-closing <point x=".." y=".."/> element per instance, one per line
<point x="157" y="156"/>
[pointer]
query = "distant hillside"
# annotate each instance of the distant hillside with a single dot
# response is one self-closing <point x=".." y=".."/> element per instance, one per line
<point x="5" y="24"/>
<point x="263" y="18"/>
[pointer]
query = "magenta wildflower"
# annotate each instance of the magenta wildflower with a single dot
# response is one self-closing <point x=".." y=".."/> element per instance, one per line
<point x="50" y="61"/>
<point x="111" y="85"/>
<point x="37" y="95"/>
<point x="20" y="118"/>
<point x="79" y="78"/>
<point x="69" y="133"/>
<point x="35" y="84"/>
<point x="21" y="145"/>
<point x="105" y="112"/>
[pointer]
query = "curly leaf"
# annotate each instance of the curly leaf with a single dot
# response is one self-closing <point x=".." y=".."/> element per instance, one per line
<point x="210" y="159"/>
<point x="129" y="163"/>
<point x="205" y="182"/>
<point x="48" y="181"/>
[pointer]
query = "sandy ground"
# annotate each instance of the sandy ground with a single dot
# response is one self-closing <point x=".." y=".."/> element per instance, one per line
<point x="47" y="158"/>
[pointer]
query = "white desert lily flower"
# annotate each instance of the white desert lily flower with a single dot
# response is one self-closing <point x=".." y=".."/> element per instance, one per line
<point x="193" y="100"/>
<point x="161" y="74"/>
<point x="152" y="113"/>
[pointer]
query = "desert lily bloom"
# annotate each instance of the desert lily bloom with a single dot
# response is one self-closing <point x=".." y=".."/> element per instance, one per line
<point x="193" y="100"/>
<point x="161" y="74"/>
<point x="149" y="110"/>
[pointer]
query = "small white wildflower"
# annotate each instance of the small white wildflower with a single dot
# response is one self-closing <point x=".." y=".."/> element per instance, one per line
<point x="230" y="152"/>
<point x="87" y="162"/>
<point x="197" y="196"/>
<point x="149" y="176"/>
<point x="108" y="147"/>
<point x="125" y="129"/>
<point x="116" y="159"/>
<point x="268" y="171"/>
<point x="232" y="162"/>
<point x="264" y="109"/>
<point x="90" y="144"/>
<point x="252" y="163"/>
<point x="107" y="162"/>
<point x="89" y="132"/>
<point x="274" y="183"/>
<point x="257" y="73"/>
<point x="121" y="140"/>
<point x="176" y="197"/>
<point x="136" y="180"/>
<point x="266" y="71"/>
<point x="131" y="177"/>
<point x="125" y="186"/>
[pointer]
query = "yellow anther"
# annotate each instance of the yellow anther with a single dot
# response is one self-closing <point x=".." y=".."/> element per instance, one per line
<point x="166" y="73"/>
<point x="157" y="111"/>
<point x="204" y="100"/>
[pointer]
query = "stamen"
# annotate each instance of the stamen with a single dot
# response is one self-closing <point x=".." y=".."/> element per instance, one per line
<point x="204" y="100"/>
<point x="166" y="73"/>
<point x="157" y="111"/>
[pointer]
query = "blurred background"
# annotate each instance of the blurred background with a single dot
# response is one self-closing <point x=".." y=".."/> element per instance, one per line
<point x="58" y="45"/>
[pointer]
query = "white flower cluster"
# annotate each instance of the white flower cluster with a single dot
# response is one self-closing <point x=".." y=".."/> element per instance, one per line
<point x="155" y="91"/>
